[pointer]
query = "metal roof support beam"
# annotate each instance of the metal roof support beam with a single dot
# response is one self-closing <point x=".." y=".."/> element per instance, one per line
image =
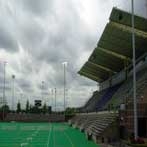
<point x="90" y="70"/>
<point x="90" y="76"/>
<point x="102" y="67"/>
<point x="114" y="54"/>
<point x="129" y="29"/>
<point x="95" y="72"/>
<point x="92" y="73"/>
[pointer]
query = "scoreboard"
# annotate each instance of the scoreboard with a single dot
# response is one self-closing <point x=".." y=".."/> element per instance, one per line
<point x="38" y="103"/>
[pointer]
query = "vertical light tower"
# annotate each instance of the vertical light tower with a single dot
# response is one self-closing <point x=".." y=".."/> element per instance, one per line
<point x="42" y="87"/>
<point x="13" y="89"/>
<point x="3" y="101"/>
<point x="55" y="98"/>
<point x="64" y="70"/>
<point x="134" y="73"/>
<point x="52" y="98"/>
<point x="67" y="98"/>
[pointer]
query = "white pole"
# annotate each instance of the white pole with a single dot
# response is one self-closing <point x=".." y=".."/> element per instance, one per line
<point x="64" y="86"/>
<point x="134" y="74"/>
<point x="52" y="98"/>
<point x="4" y="90"/>
<point x="55" y="99"/>
<point x="67" y="98"/>
<point x="13" y="78"/>
<point x="64" y="66"/>
<point x="42" y="96"/>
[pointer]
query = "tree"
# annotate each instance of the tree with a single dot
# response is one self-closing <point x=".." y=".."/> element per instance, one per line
<point x="5" y="108"/>
<point x="3" y="111"/>
<point x="44" y="109"/>
<point x="27" y="106"/>
<point x="18" y="107"/>
<point x="70" y="111"/>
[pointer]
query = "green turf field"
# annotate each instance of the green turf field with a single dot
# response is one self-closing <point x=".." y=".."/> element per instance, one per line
<point x="42" y="135"/>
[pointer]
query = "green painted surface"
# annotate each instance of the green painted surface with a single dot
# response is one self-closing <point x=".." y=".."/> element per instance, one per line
<point x="42" y="135"/>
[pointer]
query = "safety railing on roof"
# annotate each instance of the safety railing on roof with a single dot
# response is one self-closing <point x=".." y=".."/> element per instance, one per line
<point x="141" y="63"/>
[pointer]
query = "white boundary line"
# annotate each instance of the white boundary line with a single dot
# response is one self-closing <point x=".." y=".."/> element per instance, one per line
<point x="54" y="141"/>
<point x="49" y="135"/>
<point x="68" y="138"/>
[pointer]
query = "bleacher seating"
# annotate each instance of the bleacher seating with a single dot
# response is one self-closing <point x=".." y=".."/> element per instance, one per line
<point x="87" y="122"/>
<point x="106" y="97"/>
<point x="125" y="92"/>
<point x="91" y="104"/>
<point x="94" y="124"/>
<point x="99" y="99"/>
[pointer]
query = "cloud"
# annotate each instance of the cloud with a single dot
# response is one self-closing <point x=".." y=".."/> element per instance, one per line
<point x="36" y="7"/>
<point x="7" y="40"/>
<point x="36" y="36"/>
<point x="25" y="85"/>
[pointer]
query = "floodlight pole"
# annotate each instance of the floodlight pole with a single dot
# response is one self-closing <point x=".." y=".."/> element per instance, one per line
<point x="42" y="90"/>
<point x="66" y="92"/>
<point x="52" y="97"/>
<point x="3" y="101"/>
<point x="64" y="85"/>
<point x="64" y="66"/>
<point x="13" y="78"/>
<point x="134" y="73"/>
<point x="55" y="98"/>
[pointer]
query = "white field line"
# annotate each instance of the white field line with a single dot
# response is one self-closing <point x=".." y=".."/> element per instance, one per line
<point x="49" y="135"/>
<point x="24" y="144"/>
<point x="69" y="139"/>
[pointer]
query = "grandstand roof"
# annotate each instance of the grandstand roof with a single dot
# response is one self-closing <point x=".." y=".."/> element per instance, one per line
<point x="114" y="49"/>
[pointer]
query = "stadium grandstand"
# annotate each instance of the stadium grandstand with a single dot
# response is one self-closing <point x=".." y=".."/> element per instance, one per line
<point x="108" y="115"/>
<point x="107" y="118"/>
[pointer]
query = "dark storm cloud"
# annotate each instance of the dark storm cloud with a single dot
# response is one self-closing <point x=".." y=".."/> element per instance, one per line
<point x="7" y="40"/>
<point x="8" y="36"/>
<point x="37" y="7"/>
<point x="64" y="37"/>
<point x="32" y="35"/>
<point x="65" y="42"/>
<point x="140" y="7"/>
<point x="50" y="32"/>
<point x="25" y="85"/>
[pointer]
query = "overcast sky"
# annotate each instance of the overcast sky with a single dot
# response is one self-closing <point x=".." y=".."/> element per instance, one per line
<point x="36" y="36"/>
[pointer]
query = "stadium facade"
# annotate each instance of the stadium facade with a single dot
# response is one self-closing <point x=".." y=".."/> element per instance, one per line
<point x="111" y="66"/>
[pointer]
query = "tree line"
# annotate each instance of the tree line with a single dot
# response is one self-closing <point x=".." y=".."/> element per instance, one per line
<point x="28" y="108"/>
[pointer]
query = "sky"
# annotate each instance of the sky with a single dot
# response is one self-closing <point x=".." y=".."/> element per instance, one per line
<point x="37" y="36"/>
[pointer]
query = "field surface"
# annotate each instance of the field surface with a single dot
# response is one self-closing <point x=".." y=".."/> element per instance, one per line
<point x="42" y="135"/>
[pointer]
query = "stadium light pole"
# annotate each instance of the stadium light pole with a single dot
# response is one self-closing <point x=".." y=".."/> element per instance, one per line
<point x="4" y="87"/>
<point x="42" y="90"/>
<point x="13" y="80"/>
<point x="134" y="72"/>
<point x="55" y="98"/>
<point x="52" y="98"/>
<point x="66" y="91"/>
<point x="64" y="68"/>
